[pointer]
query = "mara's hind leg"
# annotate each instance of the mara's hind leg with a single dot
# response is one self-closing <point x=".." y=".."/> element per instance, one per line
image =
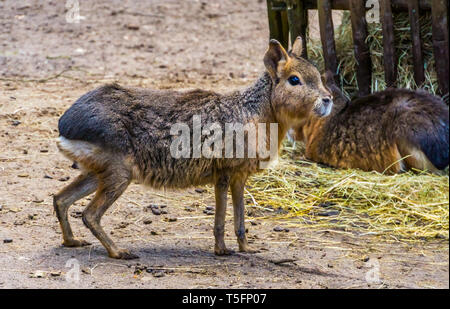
<point x="419" y="161"/>
<point x="82" y="186"/>
<point x="416" y="159"/>
<point x="113" y="182"/>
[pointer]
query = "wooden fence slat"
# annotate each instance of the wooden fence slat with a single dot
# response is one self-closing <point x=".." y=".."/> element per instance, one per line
<point x="414" y="15"/>
<point x="278" y="25"/>
<point x="440" y="43"/>
<point x="298" y="22"/>
<point x="390" y="62"/>
<point x="362" y="51"/>
<point x="273" y="24"/>
<point x="284" y="29"/>
<point x="327" y="36"/>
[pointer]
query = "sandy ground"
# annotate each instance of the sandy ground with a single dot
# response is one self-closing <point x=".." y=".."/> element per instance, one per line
<point x="46" y="63"/>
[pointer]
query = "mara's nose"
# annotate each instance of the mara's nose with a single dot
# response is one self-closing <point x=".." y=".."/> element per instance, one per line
<point x="327" y="101"/>
<point x="325" y="108"/>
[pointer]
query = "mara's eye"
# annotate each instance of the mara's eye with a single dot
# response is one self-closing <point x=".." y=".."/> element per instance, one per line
<point x="294" y="80"/>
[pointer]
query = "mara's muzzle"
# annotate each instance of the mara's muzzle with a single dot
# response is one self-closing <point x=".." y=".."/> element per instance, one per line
<point x="323" y="106"/>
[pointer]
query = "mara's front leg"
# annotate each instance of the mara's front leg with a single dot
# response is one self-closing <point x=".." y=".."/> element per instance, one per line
<point x="237" y="193"/>
<point x="221" y="190"/>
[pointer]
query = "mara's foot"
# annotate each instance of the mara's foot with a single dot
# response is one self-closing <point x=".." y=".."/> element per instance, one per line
<point x="73" y="243"/>
<point x="223" y="251"/>
<point x="248" y="249"/>
<point x="123" y="255"/>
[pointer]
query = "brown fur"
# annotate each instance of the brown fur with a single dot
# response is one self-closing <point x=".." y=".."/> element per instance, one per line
<point x="390" y="131"/>
<point x="118" y="134"/>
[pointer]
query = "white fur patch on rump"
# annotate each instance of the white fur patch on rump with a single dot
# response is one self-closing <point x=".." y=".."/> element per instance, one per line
<point x="77" y="149"/>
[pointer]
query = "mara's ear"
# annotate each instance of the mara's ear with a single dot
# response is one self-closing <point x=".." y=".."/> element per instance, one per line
<point x="330" y="83"/>
<point x="274" y="55"/>
<point x="297" y="47"/>
<point x="328" y="79"/>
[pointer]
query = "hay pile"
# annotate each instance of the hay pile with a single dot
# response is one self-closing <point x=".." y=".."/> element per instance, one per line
<point x="347" y="64"/>
<point x="407" y="206"/>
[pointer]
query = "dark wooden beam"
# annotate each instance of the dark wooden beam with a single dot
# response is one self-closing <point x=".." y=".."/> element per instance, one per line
<point x="362" y="51"/>
<point x="298" y="22"/>
<point x="284" y="29"/>
<point x="327" y="36"/>
<point x="397" y="5"/>
<point x="440" y="43"/>
<point x="278" y="25"/>
<point x="414" y="15"/>
<point x="273" y="25"/>
<point x="390" y="60"/>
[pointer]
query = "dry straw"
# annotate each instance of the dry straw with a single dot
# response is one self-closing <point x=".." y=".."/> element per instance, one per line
<point x="409" y="206"/>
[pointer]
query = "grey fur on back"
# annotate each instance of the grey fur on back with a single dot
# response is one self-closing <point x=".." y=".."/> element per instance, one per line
<point x="137" y="122"/>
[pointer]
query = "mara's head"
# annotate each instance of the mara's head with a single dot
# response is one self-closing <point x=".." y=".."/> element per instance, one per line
<point x="298" y="89"/>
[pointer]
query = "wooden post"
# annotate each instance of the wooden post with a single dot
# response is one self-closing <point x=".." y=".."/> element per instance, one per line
<point x="362" y="51"/>
<point x="327" y="36"/>
<point x="278" y="24"/>
<point x="273" y="25"/>
<point x="414" y="15"/>
<point x="284" y="29"/>
<point x="298" y="22"/>
<point x="440" y="43"/>
<point x="390" y="62"/>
